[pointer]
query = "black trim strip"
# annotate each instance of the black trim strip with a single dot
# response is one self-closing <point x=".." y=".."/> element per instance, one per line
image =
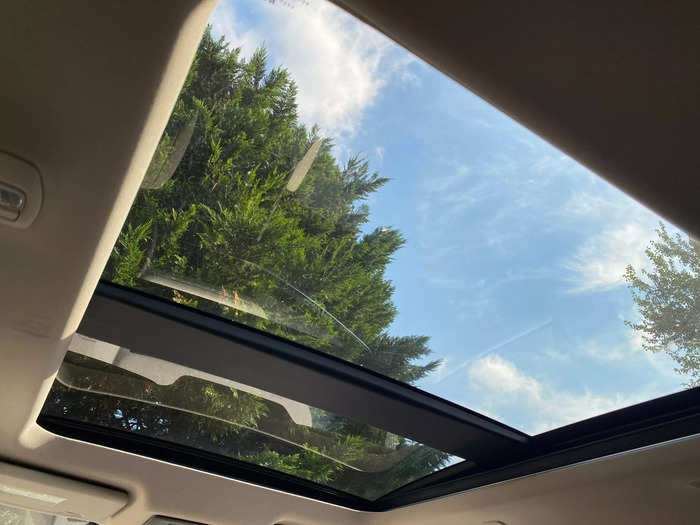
<point x="625" y="421"/>
<point x="649" y="423"/>
<point x="176" y="333"/>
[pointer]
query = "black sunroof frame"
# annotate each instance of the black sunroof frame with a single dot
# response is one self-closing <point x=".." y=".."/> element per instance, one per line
<point x="167" y="330"/>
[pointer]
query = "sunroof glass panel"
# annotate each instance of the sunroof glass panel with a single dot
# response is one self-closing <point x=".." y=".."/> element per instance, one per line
<point x="318" y="182"/>
<point x="115" y="388"/>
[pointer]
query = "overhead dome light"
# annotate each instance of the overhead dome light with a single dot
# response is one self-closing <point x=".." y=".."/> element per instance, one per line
<point x="11" y="202"/>
<point x="20" y="192"/>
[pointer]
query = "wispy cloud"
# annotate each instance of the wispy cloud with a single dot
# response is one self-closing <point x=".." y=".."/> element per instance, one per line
<point x="504" y="197"/>
<point x="478" y="297"/>
<point x="498" y="385"/>
<point x="624" y="231"/>
<point x="227" y="23"/>
<point x="599" y="263"/>
<point x="379" y="153"/>
<point x="339" y="64"/>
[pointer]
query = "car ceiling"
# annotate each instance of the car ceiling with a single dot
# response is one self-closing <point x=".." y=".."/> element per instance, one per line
<point x="87" y="90"/>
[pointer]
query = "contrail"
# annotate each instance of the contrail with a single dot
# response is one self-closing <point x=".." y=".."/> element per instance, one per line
<point x="495" y="347"/>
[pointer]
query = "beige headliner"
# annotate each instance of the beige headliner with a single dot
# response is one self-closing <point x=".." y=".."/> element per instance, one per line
<point x="88" y="87"/>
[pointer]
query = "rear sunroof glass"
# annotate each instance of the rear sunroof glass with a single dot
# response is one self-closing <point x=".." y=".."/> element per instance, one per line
<point x="112" y="387"/>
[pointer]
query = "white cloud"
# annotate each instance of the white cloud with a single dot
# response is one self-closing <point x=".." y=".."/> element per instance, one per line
<point x="531" y="198"/>
<point x="609" y="354"/>
<point x="582" y="204"/>
<point x="226" y="23"/>
<point x="499" y="385"/>
<point x="446" y="183"/>
<point x="494" y="373"/>
<point x="339" y="64"/>
<point x="599" y="263"/>
<point x="502" y="196"/>
<point x="552" y="354"/>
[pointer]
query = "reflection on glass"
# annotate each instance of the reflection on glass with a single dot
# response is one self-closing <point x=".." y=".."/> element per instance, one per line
<point x="508" y="255"/>
<point x="109" y="386"/>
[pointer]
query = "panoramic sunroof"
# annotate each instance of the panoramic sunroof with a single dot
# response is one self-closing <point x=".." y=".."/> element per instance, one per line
<point x="320" y="184"/>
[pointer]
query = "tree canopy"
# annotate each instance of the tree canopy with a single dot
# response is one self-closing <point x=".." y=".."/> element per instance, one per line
<point x="225" y="218"/>
<point x="667" y="296"/>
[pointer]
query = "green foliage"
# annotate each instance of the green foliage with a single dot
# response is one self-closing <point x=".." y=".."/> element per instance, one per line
<point x="129" y="253"/>
<point x="668" y="300"/>
<point x="307" y="464"/>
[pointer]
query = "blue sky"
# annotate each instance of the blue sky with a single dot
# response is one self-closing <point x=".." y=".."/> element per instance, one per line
<point x="515" y="253"/>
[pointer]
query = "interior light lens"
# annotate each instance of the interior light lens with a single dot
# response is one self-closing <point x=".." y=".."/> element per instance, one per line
<point x="11" y="202"/>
